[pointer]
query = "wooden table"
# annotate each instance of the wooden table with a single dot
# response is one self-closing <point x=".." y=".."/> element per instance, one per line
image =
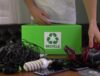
<point x="66" y="73"/>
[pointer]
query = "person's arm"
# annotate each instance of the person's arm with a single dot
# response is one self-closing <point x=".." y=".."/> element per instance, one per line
<point x="91" y="9"/>
<point x="39" y="15"/>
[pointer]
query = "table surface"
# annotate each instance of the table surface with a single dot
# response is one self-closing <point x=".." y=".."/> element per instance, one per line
<point x="66" y="73"/>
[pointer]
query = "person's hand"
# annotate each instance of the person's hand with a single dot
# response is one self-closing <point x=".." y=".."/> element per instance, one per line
<point x="40" y="16"/>
<point x="94" y="34"/>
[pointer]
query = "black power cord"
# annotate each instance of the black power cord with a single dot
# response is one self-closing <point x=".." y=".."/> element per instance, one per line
<point x="15" y="54"/>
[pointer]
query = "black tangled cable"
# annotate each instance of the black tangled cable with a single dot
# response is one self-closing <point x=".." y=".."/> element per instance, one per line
<point x="15" y="54"/>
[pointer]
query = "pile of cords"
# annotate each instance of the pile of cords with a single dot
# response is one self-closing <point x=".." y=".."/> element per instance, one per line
<point x="15" y="54"/>
<point x="7" y="35"/>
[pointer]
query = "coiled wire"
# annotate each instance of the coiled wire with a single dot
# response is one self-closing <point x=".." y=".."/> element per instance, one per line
<point x="17" y="53"/>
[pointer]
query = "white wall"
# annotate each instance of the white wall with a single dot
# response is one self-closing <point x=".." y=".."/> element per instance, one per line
<point x="8" y="14"/>
<point x="23" y="13"/>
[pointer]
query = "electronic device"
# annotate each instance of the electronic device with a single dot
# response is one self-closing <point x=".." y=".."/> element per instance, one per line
<point x="58" y="66"/>
<point x="47" y="72"/>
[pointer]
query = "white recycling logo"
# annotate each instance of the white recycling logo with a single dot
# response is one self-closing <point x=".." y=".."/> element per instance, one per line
<point x="52" y="38"/>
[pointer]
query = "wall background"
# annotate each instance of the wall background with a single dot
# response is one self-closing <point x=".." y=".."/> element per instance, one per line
<point x="81" y="14"/>
<point x="24" y="15"/>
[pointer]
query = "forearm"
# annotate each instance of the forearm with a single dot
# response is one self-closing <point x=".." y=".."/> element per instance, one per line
<point x="31" y="5"/>
<point x="91" y="9"/>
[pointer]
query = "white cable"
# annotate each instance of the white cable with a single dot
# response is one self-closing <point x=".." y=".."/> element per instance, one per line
<point x="38" y="64"/>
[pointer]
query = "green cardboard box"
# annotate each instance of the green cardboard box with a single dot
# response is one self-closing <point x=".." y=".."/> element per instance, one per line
<point x="54" y="37"/>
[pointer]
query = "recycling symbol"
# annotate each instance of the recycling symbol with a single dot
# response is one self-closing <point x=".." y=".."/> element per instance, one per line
<point x="52" y="38"/>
